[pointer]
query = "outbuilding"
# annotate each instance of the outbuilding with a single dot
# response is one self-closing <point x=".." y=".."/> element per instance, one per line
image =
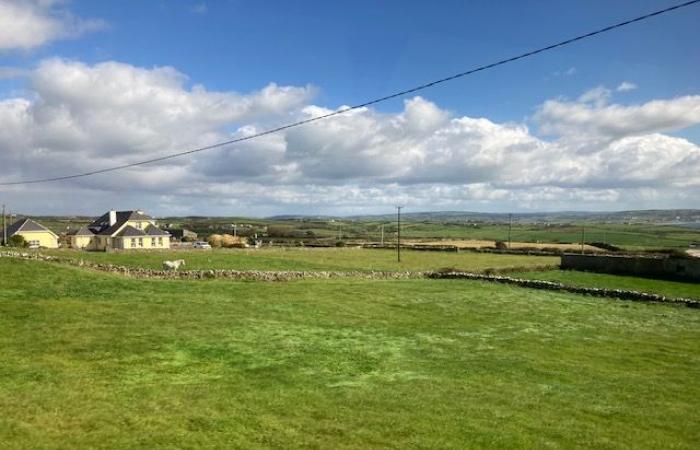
<point x="34" y="234"/>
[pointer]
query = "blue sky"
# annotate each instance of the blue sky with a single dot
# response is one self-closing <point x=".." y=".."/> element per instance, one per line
<point x="350" y="52"/>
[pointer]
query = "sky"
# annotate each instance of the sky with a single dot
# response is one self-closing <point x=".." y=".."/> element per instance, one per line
<point x="609" y="123"/>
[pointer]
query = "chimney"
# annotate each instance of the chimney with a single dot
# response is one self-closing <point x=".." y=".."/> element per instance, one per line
<point x="112" y="217"/>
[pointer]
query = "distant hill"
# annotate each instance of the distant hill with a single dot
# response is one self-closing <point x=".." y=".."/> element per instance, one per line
<point x="681" y="217"/>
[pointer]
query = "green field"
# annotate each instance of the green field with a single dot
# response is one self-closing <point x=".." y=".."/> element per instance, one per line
<point x="632" y="236"/>
<point x="313" y="259"/>
<point x="635" y="237"/>
<point x="94" y="360"/>
<point x="602" y="280"/>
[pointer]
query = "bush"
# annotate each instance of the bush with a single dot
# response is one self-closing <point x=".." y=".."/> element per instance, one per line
<point x="500" y="245"/>
<point x="280" y="231"/>
<point x="16" y="241"/>
<point x="340" y="244"/>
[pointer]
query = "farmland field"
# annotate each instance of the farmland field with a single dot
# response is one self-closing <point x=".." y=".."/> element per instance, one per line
<point x="314" y="259"/>
<point x="473" y="243"/>
<point x="634" y="236"/>
<point x="95" y="360"/>
<point x="602" y="280"/>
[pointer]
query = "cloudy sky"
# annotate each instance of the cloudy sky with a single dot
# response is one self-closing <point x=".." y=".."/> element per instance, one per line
<point x="607" y="124"/>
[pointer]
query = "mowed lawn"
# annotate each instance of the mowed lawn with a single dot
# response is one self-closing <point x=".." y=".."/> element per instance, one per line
<point x="314" y="259"/>
<point x="602" y="280"/>
<point x="94" y="360"/>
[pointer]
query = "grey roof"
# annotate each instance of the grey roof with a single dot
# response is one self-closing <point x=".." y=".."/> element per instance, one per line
<point x="155" y="231"/>
<point x="130" y="231"/>
<point x="101" y="225"/>
<point x="84" y="231"/>
<point x="25" y="225"/>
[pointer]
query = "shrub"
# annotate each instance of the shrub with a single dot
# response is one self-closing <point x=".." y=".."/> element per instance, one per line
<point x="340" y="243"/>
<point x="16" y="241"/>
<point x="500" y="245"/>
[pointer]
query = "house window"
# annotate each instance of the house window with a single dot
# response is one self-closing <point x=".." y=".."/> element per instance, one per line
<point x="138" y="225"/>
<point x="133" y="243"/>
<point x="140" y="242"/>
<point x="153" y="242"/>
<point x="33" y="243"/>
<point x="160" y="242"/>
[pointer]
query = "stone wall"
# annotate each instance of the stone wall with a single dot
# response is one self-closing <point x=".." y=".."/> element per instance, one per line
<point x="288" y="275"/>
<point x="642" y="266"/>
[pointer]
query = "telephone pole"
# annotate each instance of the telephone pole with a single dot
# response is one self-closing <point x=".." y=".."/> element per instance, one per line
<point x="382" y="235"/>
<point x="398" y="234"/>
<point x="583" y="237"/>
<point x="510" y="228"/>
<point x="4" y="226"/>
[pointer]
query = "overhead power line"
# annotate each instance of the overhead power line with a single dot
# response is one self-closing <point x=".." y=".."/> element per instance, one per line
<point x="361" y="105"/>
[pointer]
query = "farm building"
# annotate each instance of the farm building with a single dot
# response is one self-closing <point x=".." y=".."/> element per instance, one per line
<point x="182" y="234"/>
<point x="121" y="230"/>
<point x="34" y="234"/>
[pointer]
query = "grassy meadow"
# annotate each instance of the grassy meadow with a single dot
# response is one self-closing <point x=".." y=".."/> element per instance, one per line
<point x="291" y="258"/>
<point x="602" y="280"/>
<point x="95" y="360"/>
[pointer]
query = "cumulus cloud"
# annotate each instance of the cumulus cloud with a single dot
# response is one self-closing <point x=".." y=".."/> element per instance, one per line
<point x="626" y="86"/>
<point x="592" y="116"/>
<point x="27" y="24"/>
<point x="83" y="117"/>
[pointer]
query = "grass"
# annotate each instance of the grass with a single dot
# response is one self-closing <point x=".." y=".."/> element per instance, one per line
<point x="635" y="236"/>
<point x="93" y="360"/>
<point x="314" y="259"/>
<point x="602" y="280"/>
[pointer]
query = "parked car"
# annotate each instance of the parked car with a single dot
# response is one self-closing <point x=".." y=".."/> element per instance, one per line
<point x="201" y="244"/>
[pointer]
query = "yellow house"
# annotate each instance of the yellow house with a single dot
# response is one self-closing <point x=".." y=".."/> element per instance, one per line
<point x="121" y="230"/>
<point x="34" y="234"/>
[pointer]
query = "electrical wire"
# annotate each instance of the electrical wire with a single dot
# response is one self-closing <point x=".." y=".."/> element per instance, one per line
<point x="361" y="105"/>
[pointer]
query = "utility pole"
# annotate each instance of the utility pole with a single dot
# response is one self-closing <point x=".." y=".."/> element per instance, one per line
<point x="398" y="234"/>
<point x="583" y="237"/>
<point x="382" y="235"/>
<point x="234" y="230"/>
<point x="510" y="228"/>
<point x="4" y="226"/>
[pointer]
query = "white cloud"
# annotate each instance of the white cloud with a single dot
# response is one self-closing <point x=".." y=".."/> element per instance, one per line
<point x="591" y="117"/>
<point x="626" y="86"/>
<point x="81" y="117"/>
<point x="568" y="72"/>
<point x="27" y="24"/>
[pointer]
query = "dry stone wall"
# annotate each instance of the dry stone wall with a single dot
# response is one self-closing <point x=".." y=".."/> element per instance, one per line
<point x="291" y="275"/>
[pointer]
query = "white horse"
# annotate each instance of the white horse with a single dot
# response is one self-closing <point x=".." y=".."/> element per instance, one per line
<point x="173" y="265"/>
